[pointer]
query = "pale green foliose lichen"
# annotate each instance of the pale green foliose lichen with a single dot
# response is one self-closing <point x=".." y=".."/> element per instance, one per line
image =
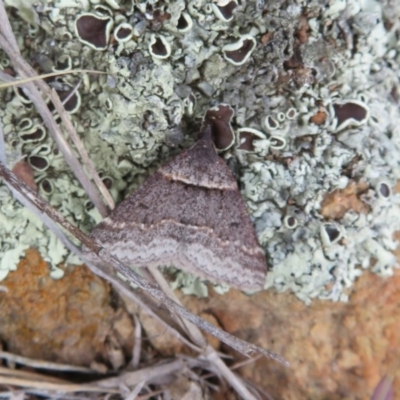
<point x="189" y="284"/>
<point x="309" y="56"/>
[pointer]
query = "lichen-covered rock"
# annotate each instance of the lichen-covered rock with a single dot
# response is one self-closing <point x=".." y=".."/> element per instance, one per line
<point x="320" y="85"/>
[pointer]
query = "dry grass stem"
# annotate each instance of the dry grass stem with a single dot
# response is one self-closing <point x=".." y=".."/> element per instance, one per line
<point x="244" y="362"/>
<point x="193" y="332"/>
<point x="137" y="346"/>
<point x="135" y="392"/>
<point x="148" y="375"/>
<point x="230" y="376"/>
<point x="81" y="149"/>
<point x="50" y="386"/>
<point x="25" y="374"/>
<point x="157" y="311"/>
<point x="72" y="92"/>
<point x="42" y="364"/>
<point x="21" y="82"/>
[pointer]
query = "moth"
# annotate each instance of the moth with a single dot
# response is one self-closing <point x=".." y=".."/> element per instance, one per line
<point x="189" y="214"/>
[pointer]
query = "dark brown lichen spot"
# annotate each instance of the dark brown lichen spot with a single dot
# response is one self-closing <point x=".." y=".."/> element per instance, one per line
<point x="246" y="139"/>
<point x="93" y="30"/>
<point x="239" y="55"/>
<point x="39" y="162"/>
<point x="123" y="33"/>
<point x="36" y="135"/>
<point x="291" y="222"/>
<point x="63" y="63"/>
<point x="227" y="10"/>
<point x="384" y="190"/>
<point x="89" y="206"/>
<point x="108" y="182"/>
<point x="219" y="120"/>
<point x="72" y="103"/>
<point x="272" y="123"/>
<point x="46" y="186"/>
<point x="395" y="93"/>
<point x="25" y="124"/>
<point x="182" y="23"/>
<point x="158" y="48"/>
<point x="23" y="96"/>
<point x="291" y="113"/>
<point x="333" y="232"/>
<point x="348" y="111"/>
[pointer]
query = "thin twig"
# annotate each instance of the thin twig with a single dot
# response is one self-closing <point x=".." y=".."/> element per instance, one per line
<point x="152" y="308"/>
<point x="59" y="387"/>
<point x="94" y="250"/>
<point x="81" y="149"/>
<point x="70" y="94"/>
<point x="29" y="73"/>
<point x="193" y="332"/>
<point x="25" y="374"/>
<point x="20" y="82"/>
<point x="143" y="375"/>
<point x="137" y="346"/>
<point x="245" y="362"/>
<point x="3" y="156"/>
<point x="39" y="364"/>
<point x="229" y="375"/>
<point x="135" y="392"/>
<point x="5" y="27"/>
<point x="236" y="365"/>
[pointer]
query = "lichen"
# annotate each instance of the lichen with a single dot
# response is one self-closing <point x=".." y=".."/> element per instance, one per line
<point x="308" y="58"/>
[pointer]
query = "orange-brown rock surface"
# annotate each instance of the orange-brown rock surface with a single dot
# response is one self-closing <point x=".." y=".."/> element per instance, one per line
<point x="71" y="320"/>
<point x="336" y="350"/>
